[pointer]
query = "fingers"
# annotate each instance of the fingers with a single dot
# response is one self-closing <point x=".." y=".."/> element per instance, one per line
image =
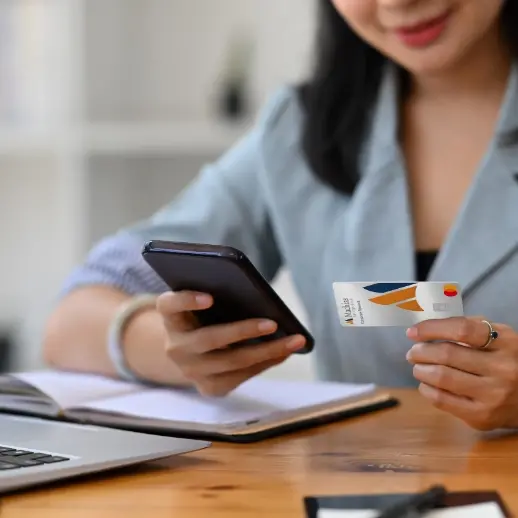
<point x="469" y="331"/>
<point x="461" y="407"/>
<point x="475" y="413"/>
<point x="220" y="336"/>
<point x="176" y="309"/>
<point x="219" y="371"/>
<point x="247" y="357"/>
<point x="451" y="380"/>
<point x="203" y="355"/>
<point x="451" y="355"/>
<point x="171" y="303"/>
<point x="181" y="325"/>
<point x="195" y="366"/>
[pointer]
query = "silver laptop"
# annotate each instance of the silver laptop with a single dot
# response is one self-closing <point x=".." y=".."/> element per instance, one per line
<point x="34" y="451"/>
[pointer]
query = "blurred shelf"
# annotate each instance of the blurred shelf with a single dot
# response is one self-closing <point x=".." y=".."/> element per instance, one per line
<point x="182" y="137"/>
<point x="107" y="138"/>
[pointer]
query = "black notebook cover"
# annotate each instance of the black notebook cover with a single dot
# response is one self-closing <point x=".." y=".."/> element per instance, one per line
<point x="268" y="433"/>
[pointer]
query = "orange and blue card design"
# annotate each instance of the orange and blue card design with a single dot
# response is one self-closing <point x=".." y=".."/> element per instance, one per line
<point x="393" y="304"/>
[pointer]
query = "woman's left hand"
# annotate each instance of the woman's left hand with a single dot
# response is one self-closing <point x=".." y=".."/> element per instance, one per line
<point x="479" y="386"/>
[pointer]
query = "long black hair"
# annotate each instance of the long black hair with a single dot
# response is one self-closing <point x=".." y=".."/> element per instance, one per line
<point x="340" y="94"/>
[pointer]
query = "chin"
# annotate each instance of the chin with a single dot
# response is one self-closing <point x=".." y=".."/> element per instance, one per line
<point x="428" y="63"/>
<point x="423" y="69"/>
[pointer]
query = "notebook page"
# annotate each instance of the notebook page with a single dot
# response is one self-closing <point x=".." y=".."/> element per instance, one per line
<point x="485" y="510"/>
<point x="70" y="389"/>
<point x="255" y="399"/>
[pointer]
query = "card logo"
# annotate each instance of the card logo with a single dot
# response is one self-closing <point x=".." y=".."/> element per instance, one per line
<point x="401" y="295"/>
<point x="450" y="290"/>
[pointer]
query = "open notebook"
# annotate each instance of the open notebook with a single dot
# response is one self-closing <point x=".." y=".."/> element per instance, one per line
<point x="258" y="409"/>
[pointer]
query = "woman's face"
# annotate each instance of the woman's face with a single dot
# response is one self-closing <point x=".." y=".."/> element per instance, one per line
<point x="423" y="36"/>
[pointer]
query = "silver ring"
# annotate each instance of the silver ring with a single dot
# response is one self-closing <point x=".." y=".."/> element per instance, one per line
<point x="493" y="335"/>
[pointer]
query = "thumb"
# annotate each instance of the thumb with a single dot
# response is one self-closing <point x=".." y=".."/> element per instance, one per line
<point x="176" y="311"/>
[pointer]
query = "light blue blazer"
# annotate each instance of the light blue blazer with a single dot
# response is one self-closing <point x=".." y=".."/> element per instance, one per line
<point x="262" y="197"/>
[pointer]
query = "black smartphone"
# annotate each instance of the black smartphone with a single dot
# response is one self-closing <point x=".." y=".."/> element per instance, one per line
<point x="238" y="289"/>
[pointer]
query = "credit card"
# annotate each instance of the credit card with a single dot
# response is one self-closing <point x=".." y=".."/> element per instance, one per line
<point x="393" y="304"/>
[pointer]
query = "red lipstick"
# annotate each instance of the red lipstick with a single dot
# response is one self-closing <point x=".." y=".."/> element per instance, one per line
<point x="423" y="34"/>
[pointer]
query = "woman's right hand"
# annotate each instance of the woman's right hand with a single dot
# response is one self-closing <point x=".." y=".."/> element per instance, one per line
<point x="202" y="354"/>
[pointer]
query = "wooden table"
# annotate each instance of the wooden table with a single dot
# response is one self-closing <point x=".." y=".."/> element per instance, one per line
<point x="403" y="449"/>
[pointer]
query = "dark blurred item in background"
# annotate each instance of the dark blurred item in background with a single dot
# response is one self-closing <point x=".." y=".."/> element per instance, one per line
<point x="6" y="348"/>
<point x="234" y="100"/>
<point x="233" y="103"/>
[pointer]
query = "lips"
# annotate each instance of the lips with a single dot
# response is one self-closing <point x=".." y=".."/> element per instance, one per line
<point x="423" y="33"/>
<point x="423" y="25"/>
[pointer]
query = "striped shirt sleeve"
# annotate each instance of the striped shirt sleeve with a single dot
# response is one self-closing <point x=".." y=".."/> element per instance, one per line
<point x="117" y="262"/>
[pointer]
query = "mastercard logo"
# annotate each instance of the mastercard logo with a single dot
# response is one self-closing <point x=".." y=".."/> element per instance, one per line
<point x="450" y="290"/>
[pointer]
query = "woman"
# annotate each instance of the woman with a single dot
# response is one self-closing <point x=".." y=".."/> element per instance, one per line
<point x="397" y="160"/>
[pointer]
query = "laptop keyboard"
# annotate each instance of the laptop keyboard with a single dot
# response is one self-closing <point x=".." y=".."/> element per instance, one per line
<point x="11" y="458"/>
